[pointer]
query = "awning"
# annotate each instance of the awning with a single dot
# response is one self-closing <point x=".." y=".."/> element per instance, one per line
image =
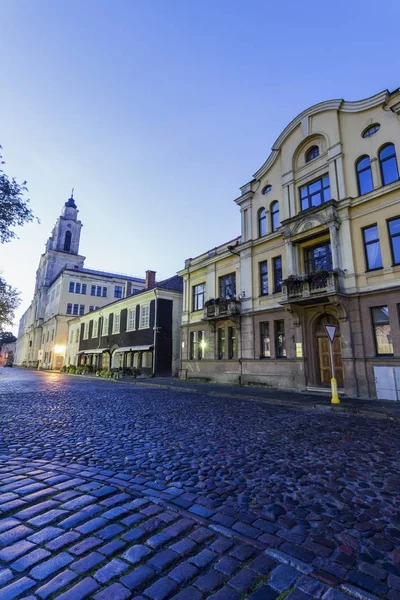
<point x="98" y="351"/>
<point x="81" y="352"/>
<point x="134" y="349"/>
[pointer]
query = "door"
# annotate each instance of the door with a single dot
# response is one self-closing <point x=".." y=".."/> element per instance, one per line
<point x="325" y="372"/>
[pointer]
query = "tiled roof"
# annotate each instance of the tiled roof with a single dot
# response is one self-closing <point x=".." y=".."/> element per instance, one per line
<point x="174" y="284"/>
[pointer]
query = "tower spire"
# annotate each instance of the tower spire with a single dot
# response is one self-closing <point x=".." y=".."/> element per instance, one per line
<point x="71" y="202"/>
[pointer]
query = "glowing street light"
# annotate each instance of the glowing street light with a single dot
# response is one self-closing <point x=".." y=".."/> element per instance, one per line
<point x="59" y="349"/>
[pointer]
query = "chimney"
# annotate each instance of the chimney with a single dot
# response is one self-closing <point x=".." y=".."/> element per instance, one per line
<point x="128" y="288"/>
<point x="150" y="280"/>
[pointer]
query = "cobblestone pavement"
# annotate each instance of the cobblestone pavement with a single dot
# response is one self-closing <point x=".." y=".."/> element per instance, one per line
<point x="109" y="491"/>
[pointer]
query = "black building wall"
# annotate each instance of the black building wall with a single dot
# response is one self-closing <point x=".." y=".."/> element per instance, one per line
<point x="164" y="338"/>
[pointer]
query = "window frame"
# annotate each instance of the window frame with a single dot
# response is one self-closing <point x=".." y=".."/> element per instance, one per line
<point x="381" y="161"/>
<point x="321" y="192"/>
<point x="309" y="260"/>
<point x="365" y="244"/>
<point x="308" y="157"/>
<point x="266" y="189"/>
<point x="71" y="287"/>
<point x="78" y="287"/>
<point x="221" y="279"/>
<point x="232" y="342"/>
<point x="276" y="334"/>
<point x="86" y="330"/>
<point x="105" y="326"/>
<point x="69" y="308"/>
<point x="95" y="330"/>
<point x="261" y="277"/>
<point x="120" y="291"/>
<point x="84" y="288"/>
<point x="144" y="324"/>
<point x="277" y="288"/>
<point x="365" y="134"/>
<point x="262" y="325"/>
<point x="197" y="295"/>
<point x="359" y="171"/>
<point x="116" y="326"/>
<point x="104" y="292"/>
<point x="262" y="221"/>
<point x="274" y="210"/>
<point x="81" y="310"/>
<point x="391" y="236"/>
<point x="221" y="343"/>
<point x="372" y="308"/>
<point x="75" y="309"/>
<point x="128" y="319"/>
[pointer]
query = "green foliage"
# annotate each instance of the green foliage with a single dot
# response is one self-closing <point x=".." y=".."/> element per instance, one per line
<point x="64" y="369"/>
<point x="6" y="337"/>
<point x="9" y="302"/>
<point x="136" y="372"/>
<point x="71" y="369"/>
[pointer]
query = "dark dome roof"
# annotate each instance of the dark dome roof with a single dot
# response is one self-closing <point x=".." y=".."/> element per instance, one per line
<point x="70" y="202"/>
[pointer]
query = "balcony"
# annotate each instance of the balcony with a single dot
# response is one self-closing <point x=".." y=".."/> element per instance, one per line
<point x="309" y="289"/>
<point x="219" y="308"/>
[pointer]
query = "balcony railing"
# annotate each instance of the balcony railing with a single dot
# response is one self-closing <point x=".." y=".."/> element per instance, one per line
<point x="221" y="307"/>
<point x="299" y="288"/>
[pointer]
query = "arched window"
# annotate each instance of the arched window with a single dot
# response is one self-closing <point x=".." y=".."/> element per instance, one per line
<point x="388" y="163"/>
<point x="275" y="219"/>
<point x="364" y="175"/>
<point x="267" y="190"/>
<point x="371" y="130"/>
<point x="67" y="241"/>
<point x="262" y="222"/>
<point x="312" y="153"/>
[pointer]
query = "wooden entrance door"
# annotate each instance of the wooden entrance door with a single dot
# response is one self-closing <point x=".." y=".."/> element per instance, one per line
<point x="325" y="361"/>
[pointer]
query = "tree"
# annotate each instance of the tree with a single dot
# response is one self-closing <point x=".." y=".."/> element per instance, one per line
<point x="6" y="337"/>
<point x="9" y="302"/>
<point x="14" y="209"/>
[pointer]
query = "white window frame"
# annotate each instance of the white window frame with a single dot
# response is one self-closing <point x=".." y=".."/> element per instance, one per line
<point x="105" y="325"/>
<point x="95" y="331"/>
<point x="86" y="330"/>
<point x="131" y="322"/>
<point x="144" y="319"/>
<point x="116" y="323"/>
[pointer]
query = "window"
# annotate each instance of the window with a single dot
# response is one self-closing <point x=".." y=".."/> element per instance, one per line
<point x="265" y="340"/>
<point x="104" y="294"/>
<point x="231" y="342"/>
<point x="199" y="294"/>
<point x="221" y="343"/>
<point x="144" y="316"/>
<point x="275" y="219"/>
<point x="71" y="286"/>
<point x="196" y="345"/>
<point x="263" y="278"/>
<point x="118" y="289"/>
<point x="312" y="153"/>
<point x="98" y="290"/>
<point x="95" y="331"/>
<point x="77" y="288"/>
<point x="77" y="336"/>
<point x="81" y="309"/>
<point x="277" y="262"/>
<point x="93" y="290"/>
<point x="67" y="241"/>
<point x="372" y="248"/>
<point x="318" y="258"/>
<point x="116" y="322"/>
<point x="131" y="319"/>
<point x="48" y="334"/>
<point x="69" y="309"/>
<point x="84" y="286"/>
<point x="76" y="309"/>
<point x="315" y="193"/>
<point x="371" y="130"/>
<point x="388" y="163"/>
<point x="105" y="325"/>
<point x="86" y="331"/>
<point x="262" y="222"/>
<point x="280" y="342"/>
<point x="382" y="333"/>
<point x="91" y="308"/>
<point x="364" y="175"/>
<point x="394" y="235"/>
<point x="267" y="190"/>
<point x="227" y="286"/>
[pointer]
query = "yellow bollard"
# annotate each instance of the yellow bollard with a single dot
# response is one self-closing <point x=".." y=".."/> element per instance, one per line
<point x="335" y="397"/>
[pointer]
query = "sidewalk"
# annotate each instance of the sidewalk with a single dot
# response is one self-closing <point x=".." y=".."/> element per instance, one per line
<point x="374" y="408"/>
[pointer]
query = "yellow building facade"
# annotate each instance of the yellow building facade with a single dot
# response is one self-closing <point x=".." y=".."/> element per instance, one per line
<point x="319" y="245"/>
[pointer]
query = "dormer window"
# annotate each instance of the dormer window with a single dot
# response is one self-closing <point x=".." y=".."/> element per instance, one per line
<point x="312" y="153"/>
<point x="267" y="190"/>
<point x="371" y="130"/>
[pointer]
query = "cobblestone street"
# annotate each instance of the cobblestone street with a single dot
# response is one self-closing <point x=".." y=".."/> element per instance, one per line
<point x="111" y="491"/>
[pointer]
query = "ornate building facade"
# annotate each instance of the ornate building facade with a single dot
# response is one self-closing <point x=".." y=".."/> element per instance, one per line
<point x="319" y="244"/>
<point x="64" y="288"/>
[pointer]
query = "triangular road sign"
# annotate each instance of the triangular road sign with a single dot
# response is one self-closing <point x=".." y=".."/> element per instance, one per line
<point x="330" y="330"/>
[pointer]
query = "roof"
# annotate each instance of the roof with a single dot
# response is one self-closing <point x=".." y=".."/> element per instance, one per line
<point x="106" y="274"/>
<point x="175" y="284"/>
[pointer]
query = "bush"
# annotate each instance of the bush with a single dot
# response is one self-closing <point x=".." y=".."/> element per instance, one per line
<point x="63" y="369"/>
<point x="71" y="369"/>
<point x="136" y="372"/>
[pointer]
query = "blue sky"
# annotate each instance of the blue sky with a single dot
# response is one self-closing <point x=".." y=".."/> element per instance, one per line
<point x="156" y="112"/>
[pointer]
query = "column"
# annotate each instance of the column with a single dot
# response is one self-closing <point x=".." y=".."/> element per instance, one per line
<point x="332" y="180"/>
<point x="334" y="245"/>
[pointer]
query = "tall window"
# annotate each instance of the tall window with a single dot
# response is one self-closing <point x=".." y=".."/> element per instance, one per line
<point x="95" y="331"/>
<point x="312" y="153"/>
<point x="71" y="287"/>
<point x="118" y="291"/>
<point x="81" y="309"/>
<point x="277" y="262"/>
<point x="265" y="340"/>
<point x="69" y="309"/>
<point x="131" y="319"/>
<point x="199" y="293"/>
<point x="264" y="278"/>
<point x="91" y="308"/>
<point x="76" y="309"/>
<point x="372" y="248"/>
<point x="98" y="290"/>
<point x="316" y="193"/>
<point x="275" y="218"/>
<point x="84" y="287"/>
<point x="93" y="290"/>
<point x="105" y="325"/>
<point x="77" y="288"/>
<point x="364" y="175"/>
<point x="318" y="258"/>
<point x="221" y="343"/>
<point x="388" y="163"/>
<point x="67" y="241"/>
<point x="86" y="331"/>
<point x="382" y="332"/>
<point x="394" y="235"/>
<point x="280" y="340"/>
<point x="227" y="286"/>
<point x="231" y="342"/>
<point x="262" y="222"/>
<point x="116" y="322"/>
<point x="200" y="345"/>
<point x="144" y="316"/>
<point x="104" y="292"/>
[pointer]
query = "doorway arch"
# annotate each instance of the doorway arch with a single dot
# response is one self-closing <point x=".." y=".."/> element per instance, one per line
<point x="323" y="363"/>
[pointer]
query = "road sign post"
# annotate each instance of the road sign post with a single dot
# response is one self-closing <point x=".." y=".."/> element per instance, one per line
<point x="331" y="331"/>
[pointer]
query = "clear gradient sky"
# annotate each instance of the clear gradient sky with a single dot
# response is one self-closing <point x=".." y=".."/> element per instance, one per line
<point x="157" y="111"/>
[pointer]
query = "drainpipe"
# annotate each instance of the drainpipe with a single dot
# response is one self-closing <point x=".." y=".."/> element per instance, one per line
<point x="155" y="333"/>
